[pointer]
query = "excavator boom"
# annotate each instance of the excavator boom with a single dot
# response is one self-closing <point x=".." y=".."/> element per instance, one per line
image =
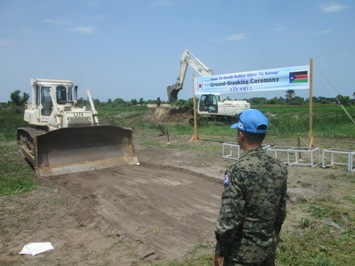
<point x="210" y="103"/>
<point x="187" y="59"/>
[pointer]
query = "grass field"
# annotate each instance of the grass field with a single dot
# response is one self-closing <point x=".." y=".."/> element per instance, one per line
<point x="314" y="243"/>
<point x="285" y="120"/>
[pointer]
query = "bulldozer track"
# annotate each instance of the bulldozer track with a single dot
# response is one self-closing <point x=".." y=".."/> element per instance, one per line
<point x="30" y="132"/>
<point x="26" y="139"/>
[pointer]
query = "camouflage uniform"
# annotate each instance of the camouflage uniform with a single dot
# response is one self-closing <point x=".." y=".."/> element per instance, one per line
<point x="253" y="209"/>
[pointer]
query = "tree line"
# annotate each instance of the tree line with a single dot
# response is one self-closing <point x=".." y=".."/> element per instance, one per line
<point x="16" y="99"/>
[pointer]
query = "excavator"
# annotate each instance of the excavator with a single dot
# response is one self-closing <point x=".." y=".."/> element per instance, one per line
<point x="187" y="59"/>
<point x="211" y="104"/>
<point x="63" y="138"/>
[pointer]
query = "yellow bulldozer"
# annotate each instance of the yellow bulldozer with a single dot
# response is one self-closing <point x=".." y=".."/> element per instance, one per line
<point x="63" y="138"/>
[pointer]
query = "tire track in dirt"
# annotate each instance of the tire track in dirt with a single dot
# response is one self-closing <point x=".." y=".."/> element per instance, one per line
<point x="167" y="210"/>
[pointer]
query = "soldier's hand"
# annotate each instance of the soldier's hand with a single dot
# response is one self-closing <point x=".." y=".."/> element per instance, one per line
<point x="277" y="236"/>
<point x="218" y="260"/>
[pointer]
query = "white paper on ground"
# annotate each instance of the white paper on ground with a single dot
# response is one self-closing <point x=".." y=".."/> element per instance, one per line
<point x="36" y="248"/>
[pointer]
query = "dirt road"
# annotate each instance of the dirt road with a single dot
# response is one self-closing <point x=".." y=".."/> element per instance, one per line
<point x="127" y="214"/>
<point x="161" y="208"/>
<point x="142" y="215"/>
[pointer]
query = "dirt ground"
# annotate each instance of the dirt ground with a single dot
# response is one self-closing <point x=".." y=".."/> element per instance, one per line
<point x="141" y="215"/>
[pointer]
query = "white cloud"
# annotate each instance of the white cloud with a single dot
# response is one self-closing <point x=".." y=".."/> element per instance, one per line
<point x="101" y="16"/>
<point x="308" y="32"/>
<point x="326" y="31"/>
<point x="93" y="3"/>
<point x="84" y="29"/>
<point x="331" y="7"/>
<point x="80" y="29"/>
<point x="27" y="30"/>
<point x="232" y="37"/>
<point x="237" y="37"/>
<point x="6" y="42"/>
<point x="346" y="54"/>
<point x="164" y="2"/>
<point x="278" y="29"/>
<point x="56" y="22"/>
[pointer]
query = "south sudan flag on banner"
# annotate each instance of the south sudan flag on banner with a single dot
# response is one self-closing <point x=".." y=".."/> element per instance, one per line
<point x="299" y="77"/>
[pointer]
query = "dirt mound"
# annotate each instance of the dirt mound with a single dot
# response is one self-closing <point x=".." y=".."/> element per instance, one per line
<point x="168" y="115"/>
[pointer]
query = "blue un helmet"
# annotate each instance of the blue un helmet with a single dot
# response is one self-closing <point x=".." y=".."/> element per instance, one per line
<point x="252" y="121"/>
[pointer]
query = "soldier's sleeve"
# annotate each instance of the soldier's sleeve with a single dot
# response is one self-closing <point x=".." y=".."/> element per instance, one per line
<point x="281" y="213"/>
<point x="231" y="213"/>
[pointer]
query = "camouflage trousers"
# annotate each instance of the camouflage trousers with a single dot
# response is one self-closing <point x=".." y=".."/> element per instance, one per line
<point x="267" y="262"/>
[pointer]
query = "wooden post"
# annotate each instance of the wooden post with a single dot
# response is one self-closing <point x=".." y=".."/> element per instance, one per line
<point x="195" y="137"/>
<point x="299" y="145"/>
<point x="310" y="134"/>
<point x="167" y="135"/>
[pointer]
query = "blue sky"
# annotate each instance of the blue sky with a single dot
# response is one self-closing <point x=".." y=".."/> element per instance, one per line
<point x="131" y="49"/>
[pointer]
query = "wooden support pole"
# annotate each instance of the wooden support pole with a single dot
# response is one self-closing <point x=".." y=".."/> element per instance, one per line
<point x="195" y="137"/>
<point x="310" y="133"/>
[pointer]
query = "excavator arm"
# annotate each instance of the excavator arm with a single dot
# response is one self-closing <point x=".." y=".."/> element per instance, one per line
<point x="187" y="59"/>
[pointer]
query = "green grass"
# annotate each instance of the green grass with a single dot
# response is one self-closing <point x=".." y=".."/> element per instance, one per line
<point x="350" y="198"/>
<point x="10" y="121"/>
<point x="318" y="242"/>
<point x="125" y="116"/>
<point x="17" y="176"/>
<point x="328" y="120"/>
<point x="285" y="121"/>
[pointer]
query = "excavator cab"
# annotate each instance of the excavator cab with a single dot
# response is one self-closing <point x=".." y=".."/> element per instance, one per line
<point x="208" y="103"/>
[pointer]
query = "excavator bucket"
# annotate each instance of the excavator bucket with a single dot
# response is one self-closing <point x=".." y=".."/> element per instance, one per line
<point x="173" y="92"/>
<point x="79" y="149"/>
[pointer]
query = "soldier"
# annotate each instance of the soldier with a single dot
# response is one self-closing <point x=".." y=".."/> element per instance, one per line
<point x="158" y="101"/>
<point x="253" y="205"/>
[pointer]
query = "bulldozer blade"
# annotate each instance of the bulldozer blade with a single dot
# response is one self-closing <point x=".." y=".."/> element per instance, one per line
<point x="79" y="149"/>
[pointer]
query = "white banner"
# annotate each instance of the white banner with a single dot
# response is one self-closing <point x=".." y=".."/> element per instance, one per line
<point x="290" y="78"/>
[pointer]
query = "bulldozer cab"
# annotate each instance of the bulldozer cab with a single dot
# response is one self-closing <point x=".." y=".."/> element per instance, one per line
<point x="62" y="95"/>
<point x="46" y="102"/>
